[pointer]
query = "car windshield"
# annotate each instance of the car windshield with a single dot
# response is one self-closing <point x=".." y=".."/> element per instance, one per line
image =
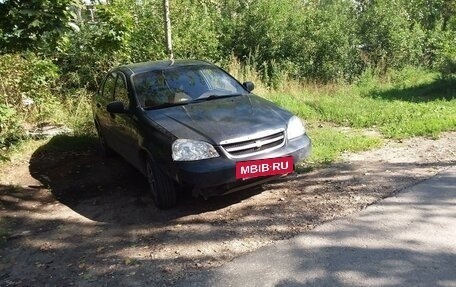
<point x="183" y="85"/>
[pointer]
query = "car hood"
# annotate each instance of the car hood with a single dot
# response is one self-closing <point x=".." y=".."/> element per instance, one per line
<point x="222" y="119"/>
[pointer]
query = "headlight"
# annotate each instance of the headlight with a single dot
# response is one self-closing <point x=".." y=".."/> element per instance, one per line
<point x="186" y="150"/>
<point x="295" y="128"/>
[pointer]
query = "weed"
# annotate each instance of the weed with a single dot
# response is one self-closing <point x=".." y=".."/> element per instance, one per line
<point x="330" y="142"/>
<point x="397" y="109"/>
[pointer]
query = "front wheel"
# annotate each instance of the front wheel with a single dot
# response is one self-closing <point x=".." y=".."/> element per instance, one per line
<point x="161" y="186"/>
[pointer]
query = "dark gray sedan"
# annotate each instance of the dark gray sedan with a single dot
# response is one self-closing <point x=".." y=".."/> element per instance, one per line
<point x="190" y="123"/>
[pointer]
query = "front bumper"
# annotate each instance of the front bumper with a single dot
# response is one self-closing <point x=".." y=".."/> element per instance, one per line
<point x="221" y="172"/>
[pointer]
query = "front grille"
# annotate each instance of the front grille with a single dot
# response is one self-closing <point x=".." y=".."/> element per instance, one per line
<point x="248" y="147"/>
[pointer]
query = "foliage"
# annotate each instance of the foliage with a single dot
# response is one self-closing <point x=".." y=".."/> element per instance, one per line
<point x="328" y="49"/>
<point x="448" y="68"/>
<point x="87" y="54"/>
<point x="27" y="25"/>
<point x="328" y="41"/>
<point x="147" y="37"/>
<point x="25" y="78"/>
<point x="372" y="57"/>
<point x="78" y="113"/>
<point x="10" y="128"/>
<point x="446" y="54"/>
<point x="322" y="41"/>
<point x="28" y="83"/>
<point x="317" y="41"/>
<point x="262" y="34"/>
<point x="386" y="37"/>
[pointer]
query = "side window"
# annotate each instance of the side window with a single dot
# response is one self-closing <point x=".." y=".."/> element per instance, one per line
<point x="109" y="86"/>
<point x="121" y="91"/>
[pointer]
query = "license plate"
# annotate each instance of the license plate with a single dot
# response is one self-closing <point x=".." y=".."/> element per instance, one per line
<point x="264" y="167"/>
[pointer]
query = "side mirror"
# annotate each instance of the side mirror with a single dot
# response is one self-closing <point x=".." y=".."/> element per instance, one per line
<point x="249" y="86"/>
<point x="116" y="108"/>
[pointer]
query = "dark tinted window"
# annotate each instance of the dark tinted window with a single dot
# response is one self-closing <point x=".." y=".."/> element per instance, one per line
<point x="121" y="91"/>
<point x="109" y="86"/>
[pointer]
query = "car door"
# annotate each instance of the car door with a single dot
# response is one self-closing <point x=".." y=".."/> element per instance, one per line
<point x="103" y="118"/>
<point x="125" y="125"/>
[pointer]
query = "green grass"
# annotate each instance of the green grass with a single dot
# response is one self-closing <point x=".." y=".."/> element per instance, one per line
<point x="329" y="143"/>
<point x="421" y="106"/>
<point x="403" y="104"/>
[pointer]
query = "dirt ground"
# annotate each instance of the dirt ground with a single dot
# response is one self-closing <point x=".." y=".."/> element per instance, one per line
<point x="75" y="218"/>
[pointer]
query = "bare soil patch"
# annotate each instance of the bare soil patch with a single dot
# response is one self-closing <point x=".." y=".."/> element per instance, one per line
<point x="75" y="218"/>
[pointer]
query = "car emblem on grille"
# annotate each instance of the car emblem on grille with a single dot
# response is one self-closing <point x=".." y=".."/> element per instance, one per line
<point x="258" y="144"/>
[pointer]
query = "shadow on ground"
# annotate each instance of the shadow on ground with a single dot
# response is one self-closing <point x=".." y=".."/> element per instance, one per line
<point x="440" y="89"/>
<point x="108" y="189"/>
<point x="90" y="221"/>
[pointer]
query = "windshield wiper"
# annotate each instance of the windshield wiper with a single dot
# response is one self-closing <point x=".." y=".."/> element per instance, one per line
<point x="214" y="97"/>
<point x="166" y="105"/>
<point x="208" y="98"/>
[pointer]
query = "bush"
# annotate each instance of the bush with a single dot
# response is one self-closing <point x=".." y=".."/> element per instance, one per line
<point x="385" y="35"/>
<point x="328" y="45"/>
<point x="26" y="95"/>
<point x="10" y="126"/>
<point x="448" y="68"/>
<point x="26" y="76"/>
<point x="315" y="40"/>
<point x="447" y="57"/>
<point x="84" y="56"/>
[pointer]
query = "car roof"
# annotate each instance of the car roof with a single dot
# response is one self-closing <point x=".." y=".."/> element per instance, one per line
<point x="137" y="68"/>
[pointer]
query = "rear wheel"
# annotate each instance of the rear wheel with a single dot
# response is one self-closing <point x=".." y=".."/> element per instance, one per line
<point x="161" y="186"/>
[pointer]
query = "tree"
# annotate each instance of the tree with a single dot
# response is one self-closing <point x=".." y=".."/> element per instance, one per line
<point x="25" y="25"/>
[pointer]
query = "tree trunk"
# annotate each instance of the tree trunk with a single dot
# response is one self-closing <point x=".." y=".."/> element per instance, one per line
<point x="169" y="43"/>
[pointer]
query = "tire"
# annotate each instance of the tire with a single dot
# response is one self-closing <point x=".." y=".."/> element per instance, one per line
<point x="162" y="188"/>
